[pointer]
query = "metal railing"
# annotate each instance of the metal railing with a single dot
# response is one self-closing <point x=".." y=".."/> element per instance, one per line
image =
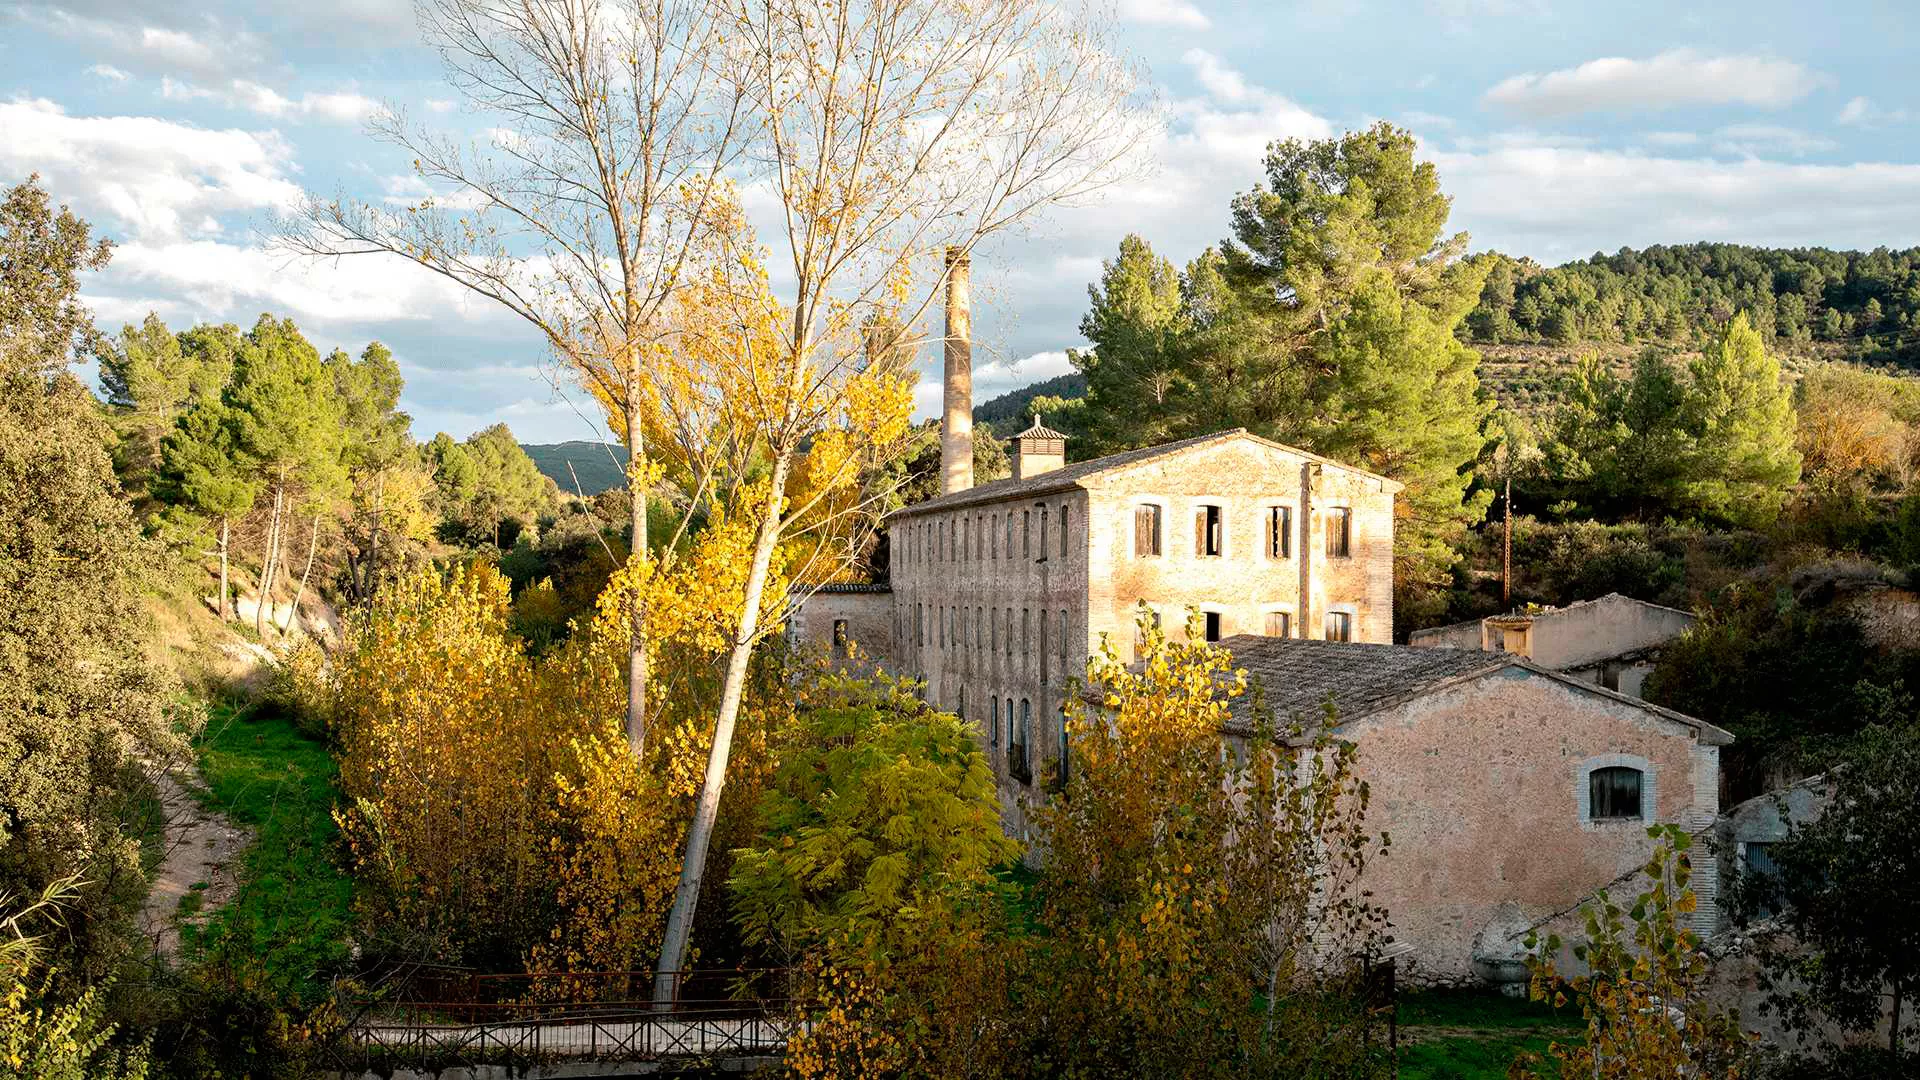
<point x="448" y="1019"/>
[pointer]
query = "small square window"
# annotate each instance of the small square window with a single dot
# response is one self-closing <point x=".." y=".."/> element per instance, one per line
<point x="1279" y="624"/>
<point x="1213" y="625"/>
<point x="1339" y="626"/>
<point x="1613" y="794"/>
<point x="840" y="635"/>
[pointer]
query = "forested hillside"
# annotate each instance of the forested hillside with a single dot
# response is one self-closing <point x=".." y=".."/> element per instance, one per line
<point x="580" y="467"/>
<point x="1863" y="305"/>
<point x="1011" y="411"/>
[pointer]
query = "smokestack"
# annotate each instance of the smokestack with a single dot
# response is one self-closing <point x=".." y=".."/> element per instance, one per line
<point x="956" y="418"/>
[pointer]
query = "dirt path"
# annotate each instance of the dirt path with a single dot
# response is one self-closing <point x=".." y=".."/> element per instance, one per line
<point x="201" y="856"/>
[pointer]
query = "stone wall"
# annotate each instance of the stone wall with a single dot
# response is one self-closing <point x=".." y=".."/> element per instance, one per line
<point x="1483" y="787"/>
<point x="862" y="614"/>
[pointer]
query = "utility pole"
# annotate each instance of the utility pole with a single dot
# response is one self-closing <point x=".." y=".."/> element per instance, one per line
<point x="1506" y="547"/>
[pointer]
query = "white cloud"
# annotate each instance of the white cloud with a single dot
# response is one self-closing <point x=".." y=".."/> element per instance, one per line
<point x="1674" y="78"/>
<point x="210" y="50"/>
<point x="440" y="105"/>
<point x="153" y="178"/>
<point x="1414" y="118"/>
<point x="1215" y="76"/>
<point x="346" y="107"/>
<point x="1671" y="138"/>
<point x="1175" y="13"/>
<point x="109" y="73"/>
<point x="1756" y="139"/>
<point x="1862" y="112"/>
<point x="1556" y="203"/>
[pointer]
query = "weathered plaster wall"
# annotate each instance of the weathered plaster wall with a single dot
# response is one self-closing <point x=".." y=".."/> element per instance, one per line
<point x="1482" y="787"/>
<point x="1243" y="584"/>
<point x="869" y="625"/>
<point x="1583" y="633"/>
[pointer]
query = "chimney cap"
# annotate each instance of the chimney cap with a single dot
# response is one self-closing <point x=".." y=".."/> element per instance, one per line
<point x="1039" y="431"/>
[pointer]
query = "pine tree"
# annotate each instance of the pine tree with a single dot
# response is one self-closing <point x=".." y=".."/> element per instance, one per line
<point x="1132" y="376"/>
<point x="1742" y="414"/>
<point x="201" y="468"/>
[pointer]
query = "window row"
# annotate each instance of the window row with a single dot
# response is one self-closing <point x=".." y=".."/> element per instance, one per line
<point x="1336" y="626"/>
<point x="987" y="630"/>
<point x="1210" y="531"/>
<point x="1019" y="736"/>
<point x="1041" y="529"/>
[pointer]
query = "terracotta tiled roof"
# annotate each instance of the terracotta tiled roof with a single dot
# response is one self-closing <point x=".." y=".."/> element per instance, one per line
<point x="1038" y="430"/>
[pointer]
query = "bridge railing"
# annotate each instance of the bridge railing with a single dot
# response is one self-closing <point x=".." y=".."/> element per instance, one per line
<point x="441" y="1019"/>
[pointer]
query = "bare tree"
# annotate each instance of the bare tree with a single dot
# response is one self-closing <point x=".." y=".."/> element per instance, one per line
<point x="893" y="134"/>
<point x="583" y="212"/>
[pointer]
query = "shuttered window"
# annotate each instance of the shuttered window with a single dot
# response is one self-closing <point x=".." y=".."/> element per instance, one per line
<point x="1279" y="624"/>
<point x="1063" y="530"/>
<point x="1339" y="626"/>
<point x="1207" y="531"/>
<point x="1339" y="533"/>
<point x="1146" y="530"/>
<point x="1279" y="532"/>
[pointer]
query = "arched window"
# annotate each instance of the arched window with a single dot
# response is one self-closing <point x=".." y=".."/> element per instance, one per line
<point x="993" y="732"/>
<point x="1063" y="748"/>
<point x="1614" y="793"/>
<point x="1022" y="765"/>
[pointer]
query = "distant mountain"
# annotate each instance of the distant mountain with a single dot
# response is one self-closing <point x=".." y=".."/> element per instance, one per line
<point x="598" y="466"/>
<point x="1009" y="414"/>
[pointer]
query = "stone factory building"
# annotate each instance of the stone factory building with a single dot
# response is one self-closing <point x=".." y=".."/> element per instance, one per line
<point x="1511" y="791"/>
<point x="1613" y="641"/>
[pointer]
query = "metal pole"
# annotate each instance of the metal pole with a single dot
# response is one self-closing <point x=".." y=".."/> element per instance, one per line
<point x="1506" y="555"/>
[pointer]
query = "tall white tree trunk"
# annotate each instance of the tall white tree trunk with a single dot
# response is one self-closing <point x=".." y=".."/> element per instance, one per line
<point x="220" y="604"/>
<point x="673" y="949"/>
<point x="313" y="542"/>
<point x="637" y="627"/>
<point x="267" y="561"/>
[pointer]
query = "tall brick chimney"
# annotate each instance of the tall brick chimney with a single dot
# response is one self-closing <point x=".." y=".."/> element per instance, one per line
<point x="956" y="417"/>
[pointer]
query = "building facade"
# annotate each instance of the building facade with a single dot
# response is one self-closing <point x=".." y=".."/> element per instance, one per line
<point x="1613" y="641"/>
<point x="1511" y="792"/>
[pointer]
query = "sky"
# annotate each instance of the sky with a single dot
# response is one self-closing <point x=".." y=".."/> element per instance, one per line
<point x="1559" y="129"/>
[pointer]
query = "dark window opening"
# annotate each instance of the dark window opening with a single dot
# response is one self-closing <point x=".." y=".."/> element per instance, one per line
<point x="840" y="635"/>
<point x="1208" y="538"/>
<point x="1213" y="626"/>
<point x="1613" y="793"/>
<point x="1339" y="533"/>
<point x="1063" y="530"/>
<point x="1019" y="765"/>
<point x="1279" y="532"/>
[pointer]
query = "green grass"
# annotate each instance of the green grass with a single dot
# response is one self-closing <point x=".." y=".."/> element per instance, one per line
<point x="1474" y="1035"/>
<point x="1466" y="1057"/>
<point x="292" y="913"/>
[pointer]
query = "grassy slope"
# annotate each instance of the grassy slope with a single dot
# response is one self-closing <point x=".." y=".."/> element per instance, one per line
<point x="293" y="908"/>
<point x="1473" y="1036"/>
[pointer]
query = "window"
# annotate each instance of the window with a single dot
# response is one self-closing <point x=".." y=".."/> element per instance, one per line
<point x="1339" y="533"/>
<point x="993" y="631"/>
<point x="993" y="732"/>
<point x="1026" y="635"/>
<point x="1146" y="530"/>
<point x="1010" y="733"/>
<point x="1207" y="532"/>
<point x="993" y="537"/>
<point x="1339" y="626"/>
<point x="1061" y="638"/>
<point x="1021" y="766"/>
<point x="1613" y="794"/>
<point x="1279" y="532"/>
<point x="1043" y="647"/>
<point x="840" y="635"/>
<point x="1009" y="631"/>
<point x="1062" y="778"/>
<point x="1043" y="534"/>
<point x="1279" y="624"/>
<point x="961" y="711"/>
<point x="1063" y="530"/>
<point x="1213" y="625"/>
<point x="1009" y="548"/>
<point x="919" y="626"/>
<point x="1026" y="534"/>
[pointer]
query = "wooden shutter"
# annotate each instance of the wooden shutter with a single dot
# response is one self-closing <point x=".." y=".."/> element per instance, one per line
<point x="1200" y="532"/>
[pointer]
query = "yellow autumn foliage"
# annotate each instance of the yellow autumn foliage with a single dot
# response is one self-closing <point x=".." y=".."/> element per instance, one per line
<point x="495" y="814"/>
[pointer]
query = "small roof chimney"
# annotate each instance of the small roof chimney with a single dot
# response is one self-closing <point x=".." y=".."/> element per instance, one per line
<point x="1039" y="449"/>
